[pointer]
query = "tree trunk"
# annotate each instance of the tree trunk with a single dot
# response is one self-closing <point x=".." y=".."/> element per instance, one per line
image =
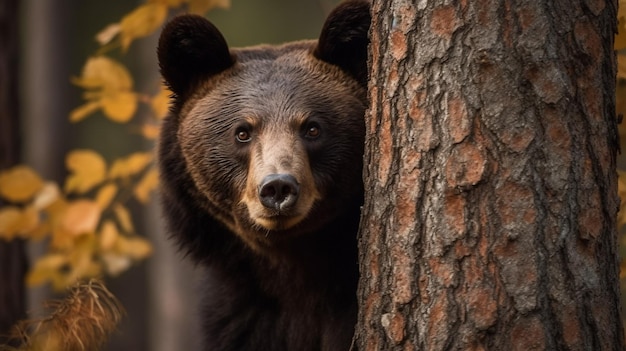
<point x="489" y="221"/>
<point x="13" y="262"/>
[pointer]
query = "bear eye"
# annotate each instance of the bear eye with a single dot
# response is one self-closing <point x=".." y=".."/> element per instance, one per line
<point x="312" y="130"/>
<point x="243" y="135"/>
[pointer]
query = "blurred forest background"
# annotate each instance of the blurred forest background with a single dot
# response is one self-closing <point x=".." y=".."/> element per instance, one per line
<point x="57" y="38"/>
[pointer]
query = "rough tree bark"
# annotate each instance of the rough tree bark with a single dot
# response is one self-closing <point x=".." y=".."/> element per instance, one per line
<point x="489" y="223"/>
<point x="13" y="262"/>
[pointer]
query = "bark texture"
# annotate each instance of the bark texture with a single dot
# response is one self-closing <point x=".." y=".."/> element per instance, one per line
<point x="489" y="222"/>
<point x="13" y="262"/>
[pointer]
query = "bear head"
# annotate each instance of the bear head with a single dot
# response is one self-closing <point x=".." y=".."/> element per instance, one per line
<point x="267" y="140"/>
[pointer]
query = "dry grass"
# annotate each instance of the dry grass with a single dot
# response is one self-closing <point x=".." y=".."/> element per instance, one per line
<point x="80" y="322"/>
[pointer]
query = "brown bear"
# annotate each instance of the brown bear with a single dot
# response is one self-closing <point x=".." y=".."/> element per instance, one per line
<point x="260" y="161"/>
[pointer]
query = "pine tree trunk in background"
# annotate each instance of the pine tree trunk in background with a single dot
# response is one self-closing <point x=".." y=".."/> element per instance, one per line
<point x="489" y="221"/>
<point x="13" y="262"/>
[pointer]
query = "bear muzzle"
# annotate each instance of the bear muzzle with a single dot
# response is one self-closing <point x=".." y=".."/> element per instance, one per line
<point x="280" y="202"/>
<point x="280" y="188"/>
<point x="279" y="192"/>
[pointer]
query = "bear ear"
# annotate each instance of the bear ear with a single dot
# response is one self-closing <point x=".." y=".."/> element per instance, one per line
<point x="344" y="38"/>
<point x="190" y="49"/>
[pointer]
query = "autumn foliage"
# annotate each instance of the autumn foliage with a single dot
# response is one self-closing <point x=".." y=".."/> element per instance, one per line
<point x="85" y="221"/>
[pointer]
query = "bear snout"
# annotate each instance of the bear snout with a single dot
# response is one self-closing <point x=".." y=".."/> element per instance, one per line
<point x="279" y="191"/>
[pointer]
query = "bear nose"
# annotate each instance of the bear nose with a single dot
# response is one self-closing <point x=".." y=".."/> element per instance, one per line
<point x="279" y="191"/>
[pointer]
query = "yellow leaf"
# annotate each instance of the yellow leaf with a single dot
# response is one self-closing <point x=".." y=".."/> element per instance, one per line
<point x="160" y="103"/>
<point x="28" y="222"/>
<point x="40" y="232"/>
<point x="114" y="264"/>
<point x="621" y="66"/>
<point x="81" y="112"/>
<point x="111" y="90"/>
<point x="136" y="248"/>
<point x="107" y="34"/>
<point x="80" y="261"/>
<point x="620" y="38"/>
<point x="201" y="7"/>
<point x="82" y="264"/>
<point x="46" y="268"/>
<point x="48" y="194"/>
<point x="124" y="218"/>
<point x="146" y="185"/>
<point x="62" y="239"/>
<point x="130" y="165"/>
<point x="94" y="94"/>
<point x="114" y="96"/>
<point x="142" y="22"/>
<point x="81" y="217"/>
<point x="9" y="222"/>
<point x="55" y="214"/>
<point x="103" y="72"/>
<point x="56" y="211"/>
<point x="105" y="195"/>
<point x="88" y="170"/>
<point x="19" y="184"/>
<point x="108" y="235"/>
<point x="119" y="106"/>
<point x="125" y="251"/>
<point x="621" y="183"/>
<point x="15" y="221"/>
<point x="150" y="131"/>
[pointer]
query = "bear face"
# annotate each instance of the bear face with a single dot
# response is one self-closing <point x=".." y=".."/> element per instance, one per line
<point x="271" y="136"/>
<point x="287" y="140"/>
<point x="260" y="164"/>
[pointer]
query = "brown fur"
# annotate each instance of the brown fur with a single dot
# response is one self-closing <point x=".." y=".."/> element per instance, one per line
<point x="278" y="93"/>
<point x="281" y="275"/>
